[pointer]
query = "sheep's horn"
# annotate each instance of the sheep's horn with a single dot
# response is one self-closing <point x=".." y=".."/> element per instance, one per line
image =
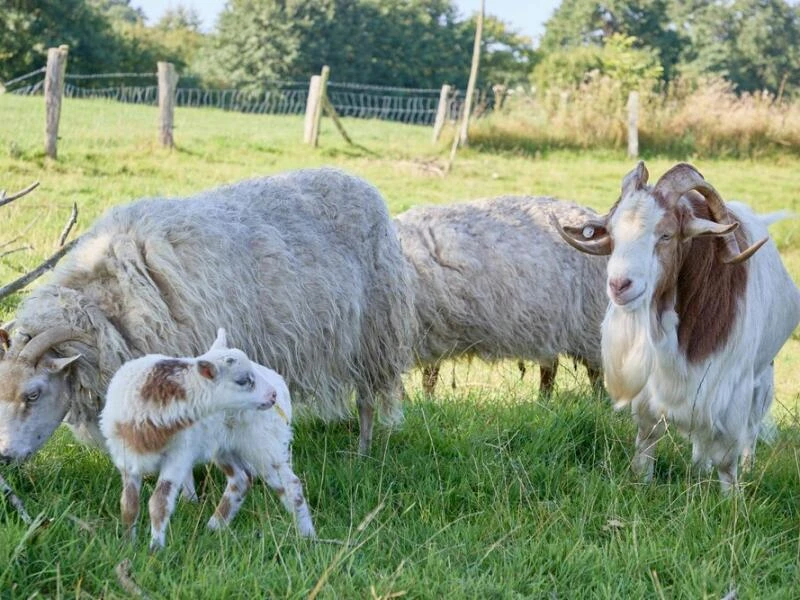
<point x="683" y="178"/>
<point x="37" y="346"/>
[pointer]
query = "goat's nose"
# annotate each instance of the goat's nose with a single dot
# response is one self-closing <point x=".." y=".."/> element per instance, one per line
<point x="619" y="285"/>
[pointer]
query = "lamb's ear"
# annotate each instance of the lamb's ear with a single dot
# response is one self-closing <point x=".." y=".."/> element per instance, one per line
<point x="207" y="369"/>
<point x="221" y="343"/>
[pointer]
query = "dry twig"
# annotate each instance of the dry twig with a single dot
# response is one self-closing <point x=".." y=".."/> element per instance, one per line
<point x="123" y="571"/>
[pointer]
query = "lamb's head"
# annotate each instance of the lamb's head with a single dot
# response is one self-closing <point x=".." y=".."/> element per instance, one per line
<point x="237" y="383"/>
<point x="649" y="230"/>
<point x="33" y="390"/>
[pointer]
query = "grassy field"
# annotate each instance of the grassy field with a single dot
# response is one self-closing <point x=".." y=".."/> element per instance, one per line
<point x="486" y="492"/>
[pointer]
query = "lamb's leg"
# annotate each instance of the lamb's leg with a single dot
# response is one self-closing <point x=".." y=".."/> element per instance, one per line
<point x="547" y="374"/>
<point x="129" y="501"/>
<point x="430" y="377"/>
<point x="281" y="478"/>
<point x="650" y="431"/>
<point x="162" y="502"/>
<point x="188" y="490"/>
<point x="235" y="491"/>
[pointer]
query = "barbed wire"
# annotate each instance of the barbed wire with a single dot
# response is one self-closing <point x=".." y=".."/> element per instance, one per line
<point x="406" y="105"/>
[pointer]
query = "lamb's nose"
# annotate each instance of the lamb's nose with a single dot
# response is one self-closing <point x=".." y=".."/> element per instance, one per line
<point x="619" y="285"/>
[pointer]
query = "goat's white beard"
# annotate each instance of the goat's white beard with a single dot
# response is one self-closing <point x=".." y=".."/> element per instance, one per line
<point x="627" y="352"/>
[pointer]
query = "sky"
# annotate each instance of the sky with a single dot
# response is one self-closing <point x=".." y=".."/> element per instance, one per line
<point x="525" y="16"/>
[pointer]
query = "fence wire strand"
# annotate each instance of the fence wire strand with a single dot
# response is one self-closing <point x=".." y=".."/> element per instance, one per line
<point x="406" y="105"/>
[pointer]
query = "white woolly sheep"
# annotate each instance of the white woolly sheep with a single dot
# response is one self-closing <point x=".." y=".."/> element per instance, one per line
<point x="303" y="269"/>
<point x="492" y="279"/>
<point x="164" y="415"/>
<point x="697" y="315"/>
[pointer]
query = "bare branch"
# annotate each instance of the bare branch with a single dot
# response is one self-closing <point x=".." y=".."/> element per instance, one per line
<point x="73" y="217"/>
<point x="7" y="199"/>
<point x="37" y="272"/>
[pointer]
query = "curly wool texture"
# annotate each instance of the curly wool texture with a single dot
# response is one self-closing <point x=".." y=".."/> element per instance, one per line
<point x="493" y="279"/>
<point x="303" y="270"/>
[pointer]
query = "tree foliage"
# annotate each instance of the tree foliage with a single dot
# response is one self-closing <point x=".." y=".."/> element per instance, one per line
<point x="753" y="43"/>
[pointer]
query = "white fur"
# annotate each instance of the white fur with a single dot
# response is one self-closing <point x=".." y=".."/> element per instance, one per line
<point x="246" y="442"/>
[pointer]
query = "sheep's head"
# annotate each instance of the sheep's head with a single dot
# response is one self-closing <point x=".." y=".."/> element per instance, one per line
<point x="647" y="233"/>
<point x="33" y="390"/>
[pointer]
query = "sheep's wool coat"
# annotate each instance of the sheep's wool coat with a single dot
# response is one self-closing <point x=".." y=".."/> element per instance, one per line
<point x="303" y="270"/>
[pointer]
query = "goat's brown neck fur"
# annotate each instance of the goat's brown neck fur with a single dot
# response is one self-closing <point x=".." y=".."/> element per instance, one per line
<point x="707" y="292"/>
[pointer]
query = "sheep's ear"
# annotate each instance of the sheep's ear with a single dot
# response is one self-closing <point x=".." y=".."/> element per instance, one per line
<point x="56" y="365"/>
<point x="221" y="342"/>
<point x="207" y="369"/>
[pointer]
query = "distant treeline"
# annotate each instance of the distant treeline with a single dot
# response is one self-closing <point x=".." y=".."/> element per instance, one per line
<point x="754" y="44"/>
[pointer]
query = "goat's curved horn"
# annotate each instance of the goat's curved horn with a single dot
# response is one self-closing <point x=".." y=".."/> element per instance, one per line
<point x="598" y="247"/>
<point x="683" y="178"/>
<point x="35" y="349"/>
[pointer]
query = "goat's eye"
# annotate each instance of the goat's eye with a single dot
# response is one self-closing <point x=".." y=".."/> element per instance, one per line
<point x="32" y="396"/>
<point x="230" y="360"/>
<point x="665" y="237"/>
<point x="246" y="381"/>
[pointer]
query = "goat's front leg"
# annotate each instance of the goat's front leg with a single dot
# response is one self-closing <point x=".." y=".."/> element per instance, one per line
<point x="188" y="491"/>
<point x="650" y="431"/>
<point x="280" y="477"/>
<point x="235" y="491"/>
<point x="129" y="501"/>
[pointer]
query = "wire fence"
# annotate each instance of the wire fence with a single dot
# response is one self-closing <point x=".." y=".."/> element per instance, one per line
<point x="407" y="105"/>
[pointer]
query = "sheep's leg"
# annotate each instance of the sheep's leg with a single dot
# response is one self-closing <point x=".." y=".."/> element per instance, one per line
<point x="235" y="491"/>
<point x="281" y="478"/>
<point x="728" y="480"/>
<point x="430" y="377"/>
<point x="129" y="501"/>
<point x="522" y="369"/>
<point x="366" y="417"/>
<point x="188" y="490"/>
<point x="547" y="373"/>
<point x="650" y="431"/>
<point x="595" y="375"/>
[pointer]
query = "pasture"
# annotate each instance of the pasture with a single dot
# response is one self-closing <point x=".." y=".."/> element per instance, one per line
<point x="486" y="491"/>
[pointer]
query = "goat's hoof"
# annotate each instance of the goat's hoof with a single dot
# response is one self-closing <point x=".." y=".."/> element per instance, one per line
<point x="214" y="524"/>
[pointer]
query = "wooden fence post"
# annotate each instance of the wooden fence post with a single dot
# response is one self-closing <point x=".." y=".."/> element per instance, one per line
<point x="311" y="109"/>
<point x="167" y="87"/>
<point x="441" y="112"/>
<point x="633" y="125"/>
<point x="53" y="93"/>
<point x="473" y="76"/>
<point x="323" y="94"/>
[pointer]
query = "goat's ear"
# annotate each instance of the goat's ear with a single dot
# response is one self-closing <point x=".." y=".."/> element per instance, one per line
<point x="635" y="180"/>
<point x="207" y="369"/>
<point x="697" y="227"/>
<point x="56" y="365"/>
<point x="221" y="342"/>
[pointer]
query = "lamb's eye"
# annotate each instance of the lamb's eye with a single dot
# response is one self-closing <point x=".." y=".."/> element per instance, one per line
<point x="230" y="360"/>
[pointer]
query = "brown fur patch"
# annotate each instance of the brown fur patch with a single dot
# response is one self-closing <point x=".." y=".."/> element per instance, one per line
<point x="129" y="504"/>
<point x="147" y="437"/>
<point x="228" y="470"/>
<point x="164" y="383"/>
<point x="158" y="503"/>
<point x="706" y="292"/>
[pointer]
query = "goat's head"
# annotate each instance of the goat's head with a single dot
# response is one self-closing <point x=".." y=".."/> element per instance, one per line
<point x="648" y="232"/>
<point x="33" y="390"/>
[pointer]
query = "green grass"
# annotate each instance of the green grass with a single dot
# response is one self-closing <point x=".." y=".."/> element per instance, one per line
<point x="486" y="491"/>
